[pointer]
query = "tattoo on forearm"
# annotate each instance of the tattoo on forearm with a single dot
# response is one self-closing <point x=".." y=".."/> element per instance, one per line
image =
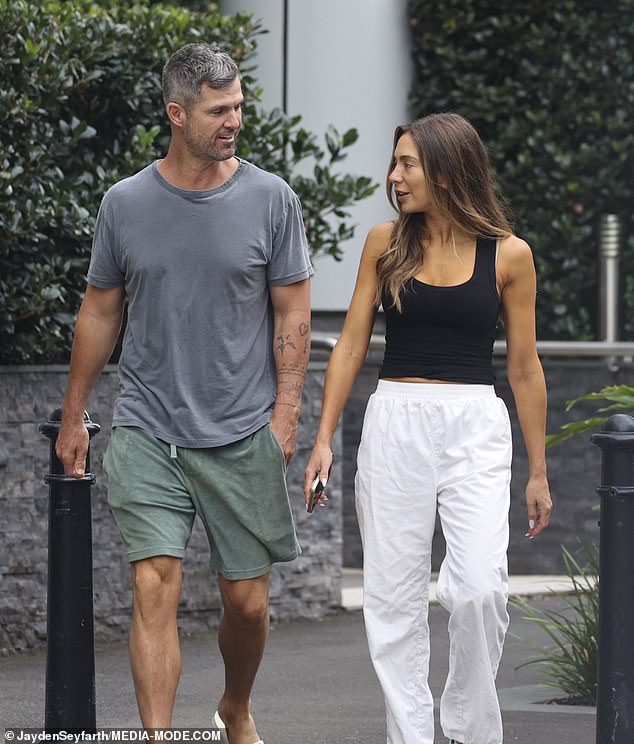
<point x="291" y="350"/>
<point x="290" y="388"/>
<point x="284" y="342"/>
<point x="291" y="371"/>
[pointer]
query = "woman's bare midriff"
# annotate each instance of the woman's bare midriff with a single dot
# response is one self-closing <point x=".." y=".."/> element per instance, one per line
<point x="420" y="379"/>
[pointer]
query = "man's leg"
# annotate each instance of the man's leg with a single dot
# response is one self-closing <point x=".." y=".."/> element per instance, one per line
<point x="154" y="647"/>
<point x="242" y="636"/>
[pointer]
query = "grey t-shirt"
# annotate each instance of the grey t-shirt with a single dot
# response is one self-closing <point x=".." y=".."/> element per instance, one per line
<point x="197" y="367"/>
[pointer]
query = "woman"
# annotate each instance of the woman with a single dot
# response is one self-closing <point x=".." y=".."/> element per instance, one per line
<point x="435" y="436"/>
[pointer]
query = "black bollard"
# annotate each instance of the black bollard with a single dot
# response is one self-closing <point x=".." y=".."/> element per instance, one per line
<point x="615" y="693"/>
<point x="70" y="658"/>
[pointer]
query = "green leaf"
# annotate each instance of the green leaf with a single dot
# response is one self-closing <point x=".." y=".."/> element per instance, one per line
<point x="574" y="428"/>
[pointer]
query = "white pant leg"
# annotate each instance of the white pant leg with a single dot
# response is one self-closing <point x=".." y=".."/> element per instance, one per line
<point x="473" y="503"/>
<point x="396" y="507"/>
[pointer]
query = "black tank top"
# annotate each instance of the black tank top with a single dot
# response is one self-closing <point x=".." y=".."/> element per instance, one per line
<point x="445" y="333"/>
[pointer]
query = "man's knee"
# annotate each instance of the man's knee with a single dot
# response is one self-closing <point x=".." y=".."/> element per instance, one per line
<point x="247" y="599"/>
<point x="156" y="582"/>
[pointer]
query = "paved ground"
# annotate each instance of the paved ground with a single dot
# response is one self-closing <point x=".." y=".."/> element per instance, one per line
<point x="316" y="686"/>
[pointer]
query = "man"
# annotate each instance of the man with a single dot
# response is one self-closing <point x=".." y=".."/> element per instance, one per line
<point x="210" y="254"/>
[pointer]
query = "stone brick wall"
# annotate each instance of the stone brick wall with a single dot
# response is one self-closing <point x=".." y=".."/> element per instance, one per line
<point x="308" y="587"/>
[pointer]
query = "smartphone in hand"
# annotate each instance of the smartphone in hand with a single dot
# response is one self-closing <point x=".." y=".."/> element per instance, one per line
<point x="315" y="491"/>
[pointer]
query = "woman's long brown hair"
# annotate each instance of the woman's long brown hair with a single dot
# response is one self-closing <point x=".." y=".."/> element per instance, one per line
<point x="460" y="182"/>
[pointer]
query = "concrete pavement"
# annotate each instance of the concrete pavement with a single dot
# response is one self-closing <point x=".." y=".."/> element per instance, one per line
<point x="530" y="585"/>
<point x="316" y="684"/>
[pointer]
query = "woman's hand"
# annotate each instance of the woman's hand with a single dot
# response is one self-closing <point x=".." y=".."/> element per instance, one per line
<point x="318" y="467"/>
<point x="539" y="506"/>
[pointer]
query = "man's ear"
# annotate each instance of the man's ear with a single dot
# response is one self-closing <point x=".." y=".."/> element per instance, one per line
<point x="176" y="113"/>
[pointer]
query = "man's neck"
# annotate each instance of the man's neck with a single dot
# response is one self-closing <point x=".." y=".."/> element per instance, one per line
<point x="184" y="173"/>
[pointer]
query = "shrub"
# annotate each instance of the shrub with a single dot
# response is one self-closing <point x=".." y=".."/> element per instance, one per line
<point x="81" y="107"/>
<point x="549" y="85"/>
<point x="570" y="663"/>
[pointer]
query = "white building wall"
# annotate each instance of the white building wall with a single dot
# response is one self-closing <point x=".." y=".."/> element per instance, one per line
<point x="348" y="64"/>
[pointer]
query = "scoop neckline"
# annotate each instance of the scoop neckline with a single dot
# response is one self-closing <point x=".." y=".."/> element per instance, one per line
<point x="454" y="286"/>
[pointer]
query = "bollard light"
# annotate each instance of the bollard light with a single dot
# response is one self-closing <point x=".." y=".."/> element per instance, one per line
<point x="70" y="657"/>
<point x="615" y="693"/>
<point x="609" y="249"/>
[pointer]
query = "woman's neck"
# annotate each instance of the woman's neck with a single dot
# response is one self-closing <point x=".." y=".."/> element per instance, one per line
<point x="442" y="233"/>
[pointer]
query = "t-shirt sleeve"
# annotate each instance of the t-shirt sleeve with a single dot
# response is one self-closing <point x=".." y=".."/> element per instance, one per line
<point x="105" y="268"/>
<point x="290" y="257"/>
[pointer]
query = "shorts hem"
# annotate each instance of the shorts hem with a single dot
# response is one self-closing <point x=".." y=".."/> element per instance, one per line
<point x="139" y="555"/>
<point x="254" y="573"/>
<point x="247" y="573"/>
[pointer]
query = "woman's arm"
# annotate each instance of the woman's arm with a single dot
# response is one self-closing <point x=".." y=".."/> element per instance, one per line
<point x="348" y="355"/>
<point x="517" y="278"/>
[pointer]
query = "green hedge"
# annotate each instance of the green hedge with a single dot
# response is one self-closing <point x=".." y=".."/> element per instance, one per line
<point x="81" y="107"/>
<point x="550" y="86"/>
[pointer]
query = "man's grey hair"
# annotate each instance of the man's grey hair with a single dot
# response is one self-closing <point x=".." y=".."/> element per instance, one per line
<point x="191" y="66"/>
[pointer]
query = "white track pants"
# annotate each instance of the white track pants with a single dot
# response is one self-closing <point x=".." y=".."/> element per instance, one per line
<point x="428" y="446"/>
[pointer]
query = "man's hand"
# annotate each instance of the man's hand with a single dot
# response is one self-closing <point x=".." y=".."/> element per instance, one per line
<point x="72" y="448"/>
<point x="284" y="427"/>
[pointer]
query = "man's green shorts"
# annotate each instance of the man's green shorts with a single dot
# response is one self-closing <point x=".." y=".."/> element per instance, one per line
<point x="155" y="491"/>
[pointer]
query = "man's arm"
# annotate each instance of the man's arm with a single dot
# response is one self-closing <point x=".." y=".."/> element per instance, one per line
<point x="291" y="348"/>
<point x="96" y="333"/>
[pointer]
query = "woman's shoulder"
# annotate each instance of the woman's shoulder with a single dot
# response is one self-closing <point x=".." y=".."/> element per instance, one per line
<point x="515" y="257"/>
<point x="383" y="229"/>
<point x="378" y="239"/>
<point x="514" y="244"/>
<point x="513" y="249"/>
